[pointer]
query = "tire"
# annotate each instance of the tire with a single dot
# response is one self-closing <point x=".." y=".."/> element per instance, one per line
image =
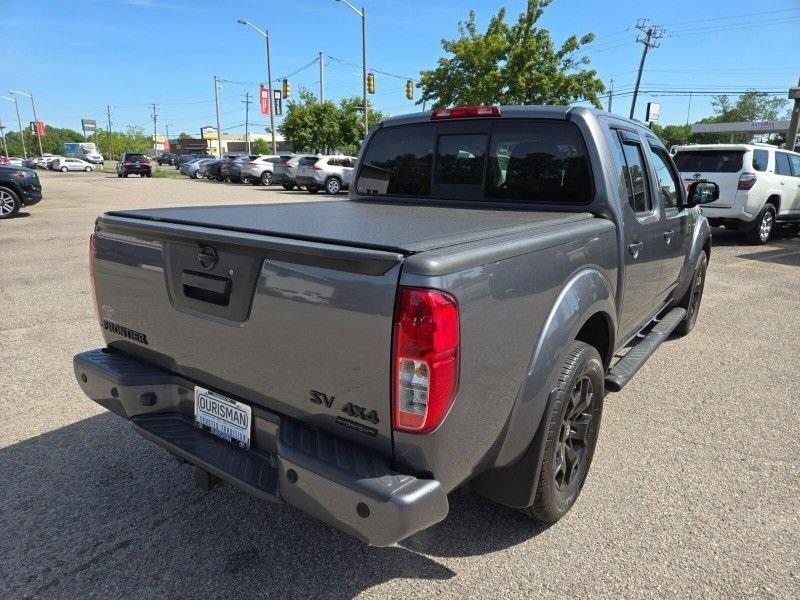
<point x="266" y="178"/>
<point x="694" y="295"/>
<point x="288" y="186"/>
<point x="196" y="175"/>
<point x="763" y="226"/>
<point x="125" y="175"/>
<point x="573" y="424"/>
<point x="312" y="190"/>
<point x="119" y="175"/>
<point x="64" y="169"/>
<point x="148" y="175"/>
<point x="333" y="186"/>
<point x="88" y="169"/>
<point x="9" y="203"/>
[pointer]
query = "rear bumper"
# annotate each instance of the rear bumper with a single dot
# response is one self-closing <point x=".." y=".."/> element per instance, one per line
<point x="307" y="181"/>
<point x="737" y="213"/>
<point x="282" y="178"/>
<point x="345" y="485"/>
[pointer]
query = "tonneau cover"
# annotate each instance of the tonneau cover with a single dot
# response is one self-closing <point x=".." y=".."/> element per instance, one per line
<point x="403" y="227"/>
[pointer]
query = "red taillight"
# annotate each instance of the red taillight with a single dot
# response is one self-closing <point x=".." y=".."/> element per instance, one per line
<point x="92" y="252"/>
<point x="316" y="168"/>
<point x="461" y="112"/>
<point x="425" y="359"/>
<point x="747" y="181"/>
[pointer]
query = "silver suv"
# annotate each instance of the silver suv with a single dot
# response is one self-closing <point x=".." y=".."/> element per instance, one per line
<point x="330" y="173"/>
<point x="259" y="169"/>
<point x="285" y="171"/>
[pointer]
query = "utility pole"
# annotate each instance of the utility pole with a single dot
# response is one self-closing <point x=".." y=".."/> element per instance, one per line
<point x="19" y="123"/>
<point x="166" y="127"/>
<point x="3" y="134"/>
<point x="610" y="94"/>
<point x="108" y="133"/>
<point x="155" y="129"/>
<point x="321" y="78"/>
<point x="794" y="122"/>
<point x="246" y="103"/>
<point x="652" y="33"/>
<point x="216" y="104"/>
<point x="688" y="112"/>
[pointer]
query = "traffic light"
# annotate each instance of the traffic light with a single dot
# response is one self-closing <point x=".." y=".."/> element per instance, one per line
<point x="286" y="88"/>
<point x="370" y="83"/>
<point x="410" y="89"/>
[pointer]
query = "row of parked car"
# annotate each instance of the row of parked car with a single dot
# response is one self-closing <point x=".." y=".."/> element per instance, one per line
<point x="49" y="161"/>
<point x="311" y="172"/>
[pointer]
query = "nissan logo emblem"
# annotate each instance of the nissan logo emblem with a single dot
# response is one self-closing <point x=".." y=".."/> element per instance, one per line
<point x="207" y="257"/>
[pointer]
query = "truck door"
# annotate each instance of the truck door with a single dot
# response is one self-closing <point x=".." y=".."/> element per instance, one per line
<point x="675" y="235"/>
<point x="642" y="231"/>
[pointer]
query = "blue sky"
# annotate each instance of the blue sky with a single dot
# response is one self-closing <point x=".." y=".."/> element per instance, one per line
<point x="77" y="56"/>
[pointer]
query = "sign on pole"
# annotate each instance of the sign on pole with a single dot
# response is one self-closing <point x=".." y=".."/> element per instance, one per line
<point x="653" y="112"/>
<point x="89" y="124"/>
<point x="41" y="128"/>
<point x="278" y="101"/>
<point x="264" y="100"/>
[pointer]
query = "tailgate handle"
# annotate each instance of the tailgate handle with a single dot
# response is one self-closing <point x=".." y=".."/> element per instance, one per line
<point x="206" y="288"/>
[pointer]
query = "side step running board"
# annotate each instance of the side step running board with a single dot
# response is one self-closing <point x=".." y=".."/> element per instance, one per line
<point x="622" y="372"/>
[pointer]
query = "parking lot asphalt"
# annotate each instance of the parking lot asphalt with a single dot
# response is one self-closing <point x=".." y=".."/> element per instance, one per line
<point x="694" y="490"/>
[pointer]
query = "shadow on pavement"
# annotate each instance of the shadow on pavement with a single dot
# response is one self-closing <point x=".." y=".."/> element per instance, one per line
<point x="785" y="255"/>
<point x="92" y="506"/>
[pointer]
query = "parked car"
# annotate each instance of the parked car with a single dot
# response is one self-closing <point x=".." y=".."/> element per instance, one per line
<point x="211" y="169"/>
<point x="51" y="161"/>
<point x="14" y="161"/>
<point x="192" y="169"/>
<point x="284" y="172"/>
<point x="329" y="173"/>
<point x="259" y="170"/>
<point x="759" y="186"/>
<point x="165" y="158"/>
<point x="30" y="162"/>
<point x="133" y="163"/>
<point x="72" y="164"/>
<point x="19" y="186"/>
<point x="179" y="159"/>
<point x="361" y="359"/>
<point x="232" y="167"/>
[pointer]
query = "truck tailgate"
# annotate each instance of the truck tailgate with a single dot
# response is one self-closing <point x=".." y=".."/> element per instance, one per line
<point x="298" y="327"/>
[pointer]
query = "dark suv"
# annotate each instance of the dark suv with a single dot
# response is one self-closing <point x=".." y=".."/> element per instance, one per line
<point x="133" y="163"/>
<point x="19" y="187"/>
<point x="165" y="158"/>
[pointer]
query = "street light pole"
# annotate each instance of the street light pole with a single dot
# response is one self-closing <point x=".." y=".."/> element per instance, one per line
<point x="35" y="117"/>
<point x="216" y="105"/>
<point x="265" y="34"/>
<point x="19" y="123"/>
<point x="363" y="14"/>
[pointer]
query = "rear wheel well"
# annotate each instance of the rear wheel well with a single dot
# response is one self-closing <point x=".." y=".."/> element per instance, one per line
<point x="596" y="331"/>
<point x="775" y="201"/>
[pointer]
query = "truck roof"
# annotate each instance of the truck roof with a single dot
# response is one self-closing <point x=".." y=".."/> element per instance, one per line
<point x="518" y="112"/>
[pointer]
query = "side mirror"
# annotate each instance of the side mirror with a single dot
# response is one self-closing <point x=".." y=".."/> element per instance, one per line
<point x="702" y="192"/>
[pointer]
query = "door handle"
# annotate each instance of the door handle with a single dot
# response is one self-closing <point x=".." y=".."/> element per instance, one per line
<point x="635" y="248"/>
<point x="668" y="236"/>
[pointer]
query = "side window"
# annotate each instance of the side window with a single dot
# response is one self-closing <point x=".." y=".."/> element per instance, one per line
<point x="782" y="166"/>
<point x="634" y="175"/>
<point x="668" y="182"/>
<point x="760" y="159"/>
<point x="794" y="161"/>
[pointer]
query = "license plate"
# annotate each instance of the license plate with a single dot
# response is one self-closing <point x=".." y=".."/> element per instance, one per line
<point x="222" y="416"/>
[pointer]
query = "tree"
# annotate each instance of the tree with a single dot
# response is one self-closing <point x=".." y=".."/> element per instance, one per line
<point x="184" y="136"/>
<point x="260" y="147"/>
<point x="750" y="106"/>
<point x="314" y="126"/>
<point x="52" y="142"/>
<point x="352" y="123"/>
<point x="517" y="64"/>
<point x="672" y="135"/>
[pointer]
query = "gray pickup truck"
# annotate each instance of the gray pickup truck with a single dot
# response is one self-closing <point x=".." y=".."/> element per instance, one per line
<point x="456" y="321"/>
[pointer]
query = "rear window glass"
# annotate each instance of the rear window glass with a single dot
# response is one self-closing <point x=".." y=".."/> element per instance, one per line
<point x="519" y="161"/>
<point x="307" y="161"/>
<point x="709" y="161"/>
<point x="398" y="162"/>
<point x="760" y="160"/>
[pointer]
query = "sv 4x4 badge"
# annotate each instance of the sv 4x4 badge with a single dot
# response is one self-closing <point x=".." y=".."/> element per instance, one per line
<point x="350" y="409"/>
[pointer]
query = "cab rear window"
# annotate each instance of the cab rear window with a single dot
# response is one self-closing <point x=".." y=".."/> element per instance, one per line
<point x="509" y="161"/>
<point x="709" y="161"/>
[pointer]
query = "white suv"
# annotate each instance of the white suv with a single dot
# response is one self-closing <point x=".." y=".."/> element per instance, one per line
<point x="759" y="185"/>
<point x="330" y="173"/>
<point x="259" y="169"/>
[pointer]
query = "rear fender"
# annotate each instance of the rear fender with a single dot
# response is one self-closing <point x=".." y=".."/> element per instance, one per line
<point x="513" y="481"/>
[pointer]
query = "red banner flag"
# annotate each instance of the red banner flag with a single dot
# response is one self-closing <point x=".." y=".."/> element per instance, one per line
<point x="264" y="98"/>
<point x="41" y="129"/>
